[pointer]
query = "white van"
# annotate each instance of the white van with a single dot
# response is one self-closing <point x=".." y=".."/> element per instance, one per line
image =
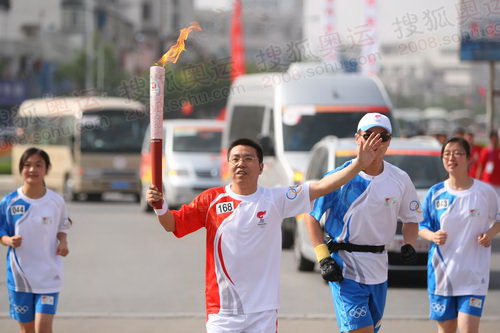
<point x="191" y="159"/>
<point x="289" y="112"/>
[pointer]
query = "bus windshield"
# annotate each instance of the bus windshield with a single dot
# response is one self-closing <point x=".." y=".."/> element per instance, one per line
<point x="110" y="131"/>
<point x="202" y="141"/>
<point x="302" y="132"/>
<point x="45" y="130"/>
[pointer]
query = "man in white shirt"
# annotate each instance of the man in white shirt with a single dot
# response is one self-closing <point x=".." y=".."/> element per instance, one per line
<point x="243" y="223"/>
<point x="361" y="217"/>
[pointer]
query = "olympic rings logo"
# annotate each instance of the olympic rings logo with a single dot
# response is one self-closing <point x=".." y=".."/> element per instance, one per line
<point x="358" y="312"/>
<point x="21" y="309"/>
<point x="438" y="307"/>
<point x="293" y="191"/>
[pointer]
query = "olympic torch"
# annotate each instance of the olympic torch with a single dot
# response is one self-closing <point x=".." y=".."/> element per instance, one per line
<point x="157" y="79"/>
<point x="156" y="93"/>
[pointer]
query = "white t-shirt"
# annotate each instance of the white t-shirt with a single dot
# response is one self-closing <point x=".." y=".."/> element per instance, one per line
<point x="365" y="211"/>
<point x="460" y="266"/>
<point x="34" y="267"/>
<point x="243" y="256"/>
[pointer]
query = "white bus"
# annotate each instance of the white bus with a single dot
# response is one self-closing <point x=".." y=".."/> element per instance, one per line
<point x="289" y="112"/>
<point x="94" y="143"/>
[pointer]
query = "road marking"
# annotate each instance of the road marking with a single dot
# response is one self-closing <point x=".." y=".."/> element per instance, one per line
<point x="174" y="315"/>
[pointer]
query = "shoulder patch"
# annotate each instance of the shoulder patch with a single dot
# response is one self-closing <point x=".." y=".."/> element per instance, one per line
<point x="415" y="206"/>
<point x="293" y="191"/>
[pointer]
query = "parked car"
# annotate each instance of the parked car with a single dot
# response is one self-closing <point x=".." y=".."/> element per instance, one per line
<point x="419" y="157"/>
<point x="191" y="160"/>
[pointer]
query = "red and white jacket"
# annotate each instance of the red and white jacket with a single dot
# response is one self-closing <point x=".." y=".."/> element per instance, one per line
<point x="243" y="242"/>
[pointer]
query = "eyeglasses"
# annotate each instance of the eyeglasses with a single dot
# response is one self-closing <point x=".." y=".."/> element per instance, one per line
<point x="245" y="159"/>
<point x="384" y="136"/>
<point x="448" y="154"/>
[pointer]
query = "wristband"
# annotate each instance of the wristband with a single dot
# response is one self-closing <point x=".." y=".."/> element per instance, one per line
<point x="163" y="210"/>
<point x="322" y="252"/>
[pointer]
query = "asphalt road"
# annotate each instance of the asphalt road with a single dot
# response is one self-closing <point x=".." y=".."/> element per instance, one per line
<point x="125" y="274"/>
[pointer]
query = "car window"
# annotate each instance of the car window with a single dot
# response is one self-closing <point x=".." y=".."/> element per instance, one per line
<point x="246" y="122"/>
<point x="318" y="164"/>
<point x="302" y="132"/>
<point x="271" y="125"/>
<point x="424" y="170"/>
<point x="323" y="164"/>
<point x="197" y="141"/>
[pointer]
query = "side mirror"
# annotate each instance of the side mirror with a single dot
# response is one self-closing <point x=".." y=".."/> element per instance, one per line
<point x="267" y="146"/>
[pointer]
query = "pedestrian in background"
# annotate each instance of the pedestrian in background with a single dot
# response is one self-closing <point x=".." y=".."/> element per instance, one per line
<point x="458" y="132"/>
<point x="461" y="217"/>
<point x="475" y="154"/>
<point x="34" y="225"/>
<point x="243" y="239"/>
<point x="361" y="217"/>
<point x="488" y="169"/>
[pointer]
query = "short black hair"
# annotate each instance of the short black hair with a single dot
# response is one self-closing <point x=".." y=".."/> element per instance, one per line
<point x="461" y="142"/>
<point x="249" y="143"/>
<point x="493" y="133"/>
<point x="34" y="151"/>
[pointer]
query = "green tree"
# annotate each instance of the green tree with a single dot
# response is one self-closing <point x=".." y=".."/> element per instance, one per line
<point x="75" y="70"/>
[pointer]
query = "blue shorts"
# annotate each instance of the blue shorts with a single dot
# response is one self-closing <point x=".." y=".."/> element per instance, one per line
<point x="444" y="308"/>
<point x="23" y="306"/>
<point x="358" y="305"/>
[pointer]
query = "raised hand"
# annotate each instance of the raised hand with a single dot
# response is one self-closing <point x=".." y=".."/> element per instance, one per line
<point x="367" y="150"/>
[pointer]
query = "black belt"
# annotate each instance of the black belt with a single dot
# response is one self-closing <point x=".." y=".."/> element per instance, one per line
<point x="335" y="247"/>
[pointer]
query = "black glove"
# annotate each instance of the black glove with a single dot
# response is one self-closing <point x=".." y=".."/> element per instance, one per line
<point x="330" y="270"/>
<point x="408" y="254"/>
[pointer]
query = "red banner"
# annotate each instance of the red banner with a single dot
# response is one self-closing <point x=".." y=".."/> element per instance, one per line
<point x="237" y="42"/>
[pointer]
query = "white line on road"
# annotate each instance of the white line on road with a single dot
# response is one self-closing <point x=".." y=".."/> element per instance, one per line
<point x="173" y="315"/>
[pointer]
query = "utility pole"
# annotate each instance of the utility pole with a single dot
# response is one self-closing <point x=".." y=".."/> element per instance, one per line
<point x="89" y="44"/>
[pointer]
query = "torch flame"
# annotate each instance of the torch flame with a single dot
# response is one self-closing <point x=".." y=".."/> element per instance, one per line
<point x="172" y="55"/>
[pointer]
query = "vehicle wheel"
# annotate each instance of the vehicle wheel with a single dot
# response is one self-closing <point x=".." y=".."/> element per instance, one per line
<point x="137" y="197"/>
<point x="142" y="201"/>
<point x="303" y="264"/>
<point x="95" y="197"/>
<point x="287" y="233"/>
<point x="68" y="193"/>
